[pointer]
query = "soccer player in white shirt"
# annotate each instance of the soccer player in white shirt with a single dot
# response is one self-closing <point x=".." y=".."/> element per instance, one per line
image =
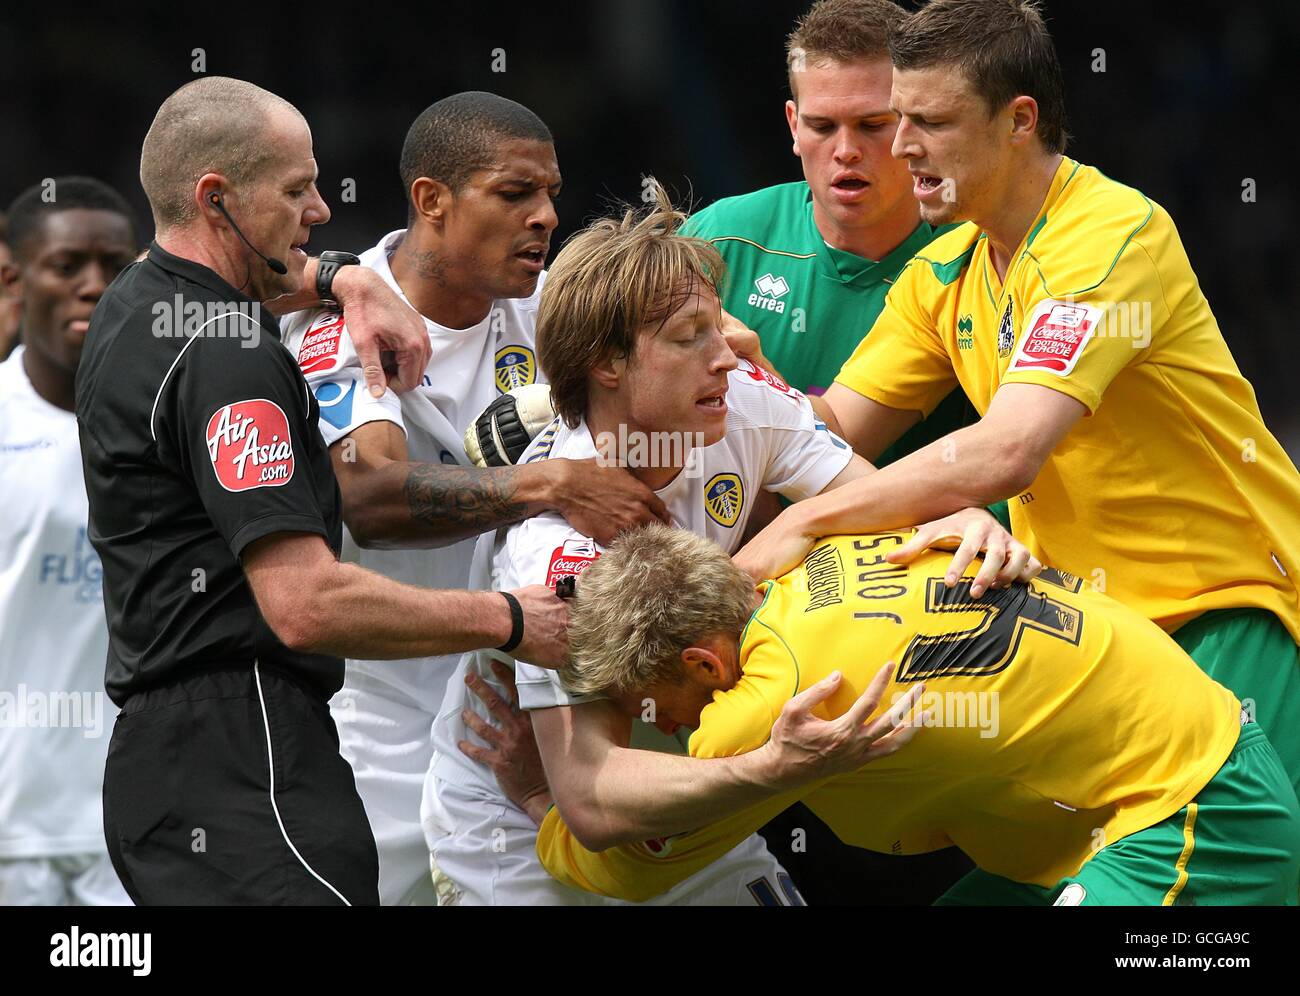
<point x="629" y="333"/>
<point x="54" y="714"/>
<point x="481" y="177"/>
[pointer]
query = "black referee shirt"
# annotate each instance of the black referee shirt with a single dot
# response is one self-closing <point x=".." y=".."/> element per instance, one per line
<point x="198" y="436"/>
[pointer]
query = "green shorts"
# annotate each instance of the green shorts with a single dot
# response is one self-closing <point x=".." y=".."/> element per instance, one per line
<point x="1250" y="652"/>
<point x="1236" y="844"/>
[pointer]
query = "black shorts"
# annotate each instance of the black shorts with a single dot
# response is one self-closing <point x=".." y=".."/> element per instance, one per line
<point x="227" y="788"/>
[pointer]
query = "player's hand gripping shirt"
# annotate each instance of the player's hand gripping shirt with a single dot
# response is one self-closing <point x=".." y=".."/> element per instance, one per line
<point x="773" y="442"/>
<point x="468" y="368"/>
<point x="807" y="300"/>
<point x="1172" y="495"/>
<point x="1062" y="720"/>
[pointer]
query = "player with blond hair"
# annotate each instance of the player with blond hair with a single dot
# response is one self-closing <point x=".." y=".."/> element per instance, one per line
<point x="1070" y="748"/>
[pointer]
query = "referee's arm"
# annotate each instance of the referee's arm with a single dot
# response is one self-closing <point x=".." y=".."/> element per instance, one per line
<point x="315" y="604"/>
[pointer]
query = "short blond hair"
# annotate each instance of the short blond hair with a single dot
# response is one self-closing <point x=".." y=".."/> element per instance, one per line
<point x="611" y="279"/>
<point x="656" y="591"/>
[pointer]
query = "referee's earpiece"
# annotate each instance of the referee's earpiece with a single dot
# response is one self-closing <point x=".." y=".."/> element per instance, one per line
<point x="215" y="199"/>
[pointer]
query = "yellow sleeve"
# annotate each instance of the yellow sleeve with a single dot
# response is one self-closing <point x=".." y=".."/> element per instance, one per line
<point x="902" y="362"/>
<point x="641" y="871"/>
<point x="1078" y="341"/>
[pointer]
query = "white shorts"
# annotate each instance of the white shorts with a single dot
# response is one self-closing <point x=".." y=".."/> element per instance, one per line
<point x="75" y="880"/>
<point x="483" y="852"/>
<point x="384" y="735"/>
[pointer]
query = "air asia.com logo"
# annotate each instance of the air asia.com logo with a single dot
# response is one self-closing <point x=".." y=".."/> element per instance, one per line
<point x="249" y="445"/>
<point x="770" y="290"/>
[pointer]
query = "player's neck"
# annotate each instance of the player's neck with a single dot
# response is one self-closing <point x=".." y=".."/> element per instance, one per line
<point x="622" y="443"/>
<point x="874" y="242"/>
<point x="429" y="282"/>
<point x="50" y="382"/>
<point x="1021" y="202"/>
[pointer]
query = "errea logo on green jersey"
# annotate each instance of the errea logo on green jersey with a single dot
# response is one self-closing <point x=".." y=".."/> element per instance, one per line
<point x="965" y="332"/>
<point x="770" y="290"/>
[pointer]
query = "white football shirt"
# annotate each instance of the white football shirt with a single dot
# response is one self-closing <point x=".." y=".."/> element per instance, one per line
<point x="773" y="442"/>
<point x="55" y="717"/>
<point x="467" y="370"/>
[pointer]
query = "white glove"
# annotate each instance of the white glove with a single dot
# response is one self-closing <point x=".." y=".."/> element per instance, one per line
<point x="504" y="428"/>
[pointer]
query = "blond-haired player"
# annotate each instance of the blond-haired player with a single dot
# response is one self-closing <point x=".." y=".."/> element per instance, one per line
<point x="1113" y="413"/>
<point x="1072" y="750"/>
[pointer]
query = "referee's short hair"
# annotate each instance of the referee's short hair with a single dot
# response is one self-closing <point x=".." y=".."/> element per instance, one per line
<point x="29" y="210"/>
<point x="458" y="135"/>
<point x="212" y="125"/>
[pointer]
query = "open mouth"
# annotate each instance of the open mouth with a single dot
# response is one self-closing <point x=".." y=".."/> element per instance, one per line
<point x="534" y="259"/>
<point x="297" y="248"/>
<point x="926" y="184"/>
<point x="848" y="187"/>
<point x="714" y="403"/>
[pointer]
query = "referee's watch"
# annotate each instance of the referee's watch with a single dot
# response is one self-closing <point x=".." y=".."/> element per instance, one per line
<point x="329" y="264"/>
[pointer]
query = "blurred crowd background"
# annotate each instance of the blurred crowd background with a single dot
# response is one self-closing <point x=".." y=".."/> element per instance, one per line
<point x="1183" y="100"/>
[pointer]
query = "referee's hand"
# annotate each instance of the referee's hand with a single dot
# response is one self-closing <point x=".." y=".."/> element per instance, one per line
<point x="546" y="627"/>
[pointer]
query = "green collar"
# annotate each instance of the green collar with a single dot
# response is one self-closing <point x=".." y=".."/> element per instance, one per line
<point x="850" y="268"/>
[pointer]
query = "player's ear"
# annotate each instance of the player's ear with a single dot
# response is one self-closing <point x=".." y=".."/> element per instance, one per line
<point x="1024" y="119"/>
<point x="792" y="119"/>
<point x="608" y="373"/>
<point x="430" y="199"/>
<point x="11" y="280"/>
<point x="704" y="662"/>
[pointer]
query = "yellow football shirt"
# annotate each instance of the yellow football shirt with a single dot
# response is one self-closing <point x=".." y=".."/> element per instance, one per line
<point x="1061" y="721"/>
<point x="1172" y="495"/>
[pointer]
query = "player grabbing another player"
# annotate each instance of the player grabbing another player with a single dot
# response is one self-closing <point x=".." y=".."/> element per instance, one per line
<point x="1071" y="748"/>
<point x="808" y="267"/>
<point x="1113" y="413"/>
<point x="481" y="179"/>
<point x="629" y="336"/>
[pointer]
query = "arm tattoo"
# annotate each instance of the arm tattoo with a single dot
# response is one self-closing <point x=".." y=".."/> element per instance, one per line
<point x="463" y="499"/>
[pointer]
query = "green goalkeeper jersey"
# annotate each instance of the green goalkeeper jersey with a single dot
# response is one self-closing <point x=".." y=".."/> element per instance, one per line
<point x="810" y="304"/>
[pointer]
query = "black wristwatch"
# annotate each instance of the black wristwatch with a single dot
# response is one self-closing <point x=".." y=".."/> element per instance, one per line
<point x="330" y="262"/>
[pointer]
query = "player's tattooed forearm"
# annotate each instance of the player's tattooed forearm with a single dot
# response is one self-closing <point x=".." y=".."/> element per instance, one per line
<point x="453" y="497"/>
<point x="429" y="265"/>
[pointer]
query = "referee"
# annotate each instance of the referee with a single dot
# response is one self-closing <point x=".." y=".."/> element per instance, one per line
<point x="215" y="510"/>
